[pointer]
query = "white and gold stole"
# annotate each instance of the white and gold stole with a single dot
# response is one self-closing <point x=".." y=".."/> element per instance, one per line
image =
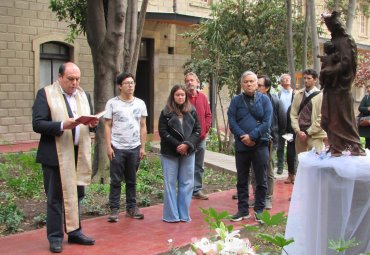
<point x="71" y="176"/>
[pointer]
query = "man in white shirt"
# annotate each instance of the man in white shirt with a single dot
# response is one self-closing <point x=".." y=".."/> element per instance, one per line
<point x="125" y="137"/>
<point x="286" y="96"/>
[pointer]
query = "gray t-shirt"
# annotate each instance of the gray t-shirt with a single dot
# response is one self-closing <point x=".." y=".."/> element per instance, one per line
<point x="125" y="118"/>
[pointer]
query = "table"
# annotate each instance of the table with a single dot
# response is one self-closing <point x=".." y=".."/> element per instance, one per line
<point x="330" y="201"/>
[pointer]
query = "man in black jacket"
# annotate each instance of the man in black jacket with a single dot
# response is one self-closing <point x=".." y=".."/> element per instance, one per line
<point x="63" y="141"/>
<point x="278" y="127"/>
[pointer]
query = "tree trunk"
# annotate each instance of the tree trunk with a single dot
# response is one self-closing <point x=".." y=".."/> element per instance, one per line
<point x="305" y="38"/>
<point x="350" y="15"/>
<point x="130" y="35"/>
<point x="140" y="28"/>
<point x="289" y="38"/>
<point x="336" y="5"/>
<point x="105" y="35"/>
<point x="314" y="36"/>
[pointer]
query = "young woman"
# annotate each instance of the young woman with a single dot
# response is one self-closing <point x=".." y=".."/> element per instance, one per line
<point x="179" y="130"/>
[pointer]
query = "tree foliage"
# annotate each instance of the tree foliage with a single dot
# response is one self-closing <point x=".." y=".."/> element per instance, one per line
<point x="363" y="69"/>
<point x="75" y="11"/>
<point x="241" y="35"/>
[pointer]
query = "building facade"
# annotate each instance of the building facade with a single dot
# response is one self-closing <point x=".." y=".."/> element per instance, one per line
<point x="32" y="46"/>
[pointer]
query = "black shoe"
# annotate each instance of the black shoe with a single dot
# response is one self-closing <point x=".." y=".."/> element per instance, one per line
<point x="235" y="196"/>
<point x="257" y="218"/>
<point x="279" y="171"/>
<point x="55" y="246"/>
<point x="240" y="216"/>
<point x="81" y="239"/>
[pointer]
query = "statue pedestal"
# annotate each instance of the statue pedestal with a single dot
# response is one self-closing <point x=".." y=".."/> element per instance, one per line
<point x="330" y="201"/>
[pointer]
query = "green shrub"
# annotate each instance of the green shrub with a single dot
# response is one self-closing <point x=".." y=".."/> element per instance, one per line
<point x="22" y="174"/>
<point x="10" y="216"/>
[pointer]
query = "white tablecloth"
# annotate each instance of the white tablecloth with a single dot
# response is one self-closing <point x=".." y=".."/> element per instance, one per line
<point x="330" y="201"/>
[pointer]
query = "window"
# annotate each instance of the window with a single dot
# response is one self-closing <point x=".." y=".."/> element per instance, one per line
<point x="52" y="55"/>
<point x="363" y="22"/>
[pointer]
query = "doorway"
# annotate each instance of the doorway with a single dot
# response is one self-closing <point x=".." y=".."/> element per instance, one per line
<point x="145" y="79"/>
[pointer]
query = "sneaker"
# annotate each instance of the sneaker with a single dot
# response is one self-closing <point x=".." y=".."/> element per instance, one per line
<point x="256" y="216"/>
<point x="268" y="203"/>
<point x="240" y="216"/>
<point x="113" y="217"/>
<point x="134" y="213"/>
<point x="279" y="171"/>
<point x="200" y="195"/>
<point x="234" y="196"/>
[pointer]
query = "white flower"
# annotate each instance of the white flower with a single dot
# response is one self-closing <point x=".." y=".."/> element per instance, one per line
<point x="206" y="245"/>
<point x="227" y="244"/>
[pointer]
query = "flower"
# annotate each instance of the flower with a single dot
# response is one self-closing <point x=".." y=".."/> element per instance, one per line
<point x="226" y="243"/>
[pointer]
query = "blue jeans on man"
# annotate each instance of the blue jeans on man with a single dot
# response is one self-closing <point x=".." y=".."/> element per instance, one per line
<point x="259" y="159"/>
<point x="199" y="166"/>
<point x="123" y="167"/>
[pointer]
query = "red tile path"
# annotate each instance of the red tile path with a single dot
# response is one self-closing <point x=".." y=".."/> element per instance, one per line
<point x="139" y="237"/>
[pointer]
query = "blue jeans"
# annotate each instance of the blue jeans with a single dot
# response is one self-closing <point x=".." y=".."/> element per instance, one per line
<point x="199" y="166"/>
<point x="259" y="159"/>
<point x="124" y="166"/>
<point x="177" y="171"/>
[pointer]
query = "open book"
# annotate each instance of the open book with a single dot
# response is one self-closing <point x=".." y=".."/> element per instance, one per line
<point x="87" y="118"/>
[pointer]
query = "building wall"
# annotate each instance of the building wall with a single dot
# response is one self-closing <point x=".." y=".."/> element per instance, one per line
<point x="168" y="69"/>
<point x="198" y="8"/>
<point x="24" y="25"/>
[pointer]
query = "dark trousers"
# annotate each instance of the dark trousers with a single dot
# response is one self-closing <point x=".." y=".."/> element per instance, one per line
<point x="124" y="166"/>
<point x="367" y="143"/>
<point x="291" y="157"/>
<point x="54" y="210"/>
<point x="259" y="159"/>
<point x="280" y="152"/>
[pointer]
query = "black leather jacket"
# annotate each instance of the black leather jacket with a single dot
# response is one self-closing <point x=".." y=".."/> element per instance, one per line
<point x="172" y="134"/>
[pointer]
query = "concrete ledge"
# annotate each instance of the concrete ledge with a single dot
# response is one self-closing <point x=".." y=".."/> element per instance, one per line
<point x="214" y="160"/>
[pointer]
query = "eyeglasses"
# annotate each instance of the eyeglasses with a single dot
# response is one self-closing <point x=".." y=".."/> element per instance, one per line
<point x="128" y="83"/>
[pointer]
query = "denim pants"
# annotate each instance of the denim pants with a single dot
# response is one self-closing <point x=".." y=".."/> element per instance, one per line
<point x="178" y="174"/>
<point x="259" y="159"/>
<point x="124" y="166"/>
<point x="199" y="166"/>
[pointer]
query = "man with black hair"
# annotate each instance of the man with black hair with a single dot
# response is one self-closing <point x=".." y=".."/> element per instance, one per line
<point x="278" y="128"/>
<point x="305" y="115"/>
<point x="125" y="136"/>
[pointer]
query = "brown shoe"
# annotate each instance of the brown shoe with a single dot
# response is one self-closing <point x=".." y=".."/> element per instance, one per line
<point x="290" y="179"/>
<point x="113" y="217"/>
<point x="134" y="213"/>
<point x="200" y="195"/>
